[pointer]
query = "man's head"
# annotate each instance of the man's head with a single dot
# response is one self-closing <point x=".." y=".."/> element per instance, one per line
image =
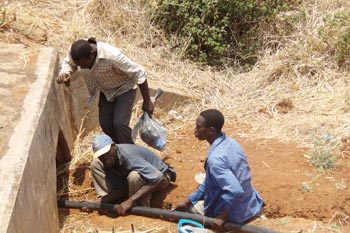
<point x="82" y="53"/>
<point x="103" y="148"/>
<point x="209" y="124"/>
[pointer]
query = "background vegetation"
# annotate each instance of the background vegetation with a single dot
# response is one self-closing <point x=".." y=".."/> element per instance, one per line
<point x="297" y="88"/>
<point x="284" y="65"/>
<point x="218" y="32"/>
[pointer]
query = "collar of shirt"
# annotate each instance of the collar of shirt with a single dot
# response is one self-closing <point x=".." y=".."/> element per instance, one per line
<point x="120" y="170"/>
<point x="214" y="145"/>
<point x="102" y="54"/>
<point x="217" y="142"/>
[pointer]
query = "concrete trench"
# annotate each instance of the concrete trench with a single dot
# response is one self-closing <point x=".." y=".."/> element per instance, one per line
<point x="39" y="122"/>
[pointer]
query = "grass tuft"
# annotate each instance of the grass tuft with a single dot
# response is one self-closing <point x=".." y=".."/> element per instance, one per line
<point x="322" y="156"/>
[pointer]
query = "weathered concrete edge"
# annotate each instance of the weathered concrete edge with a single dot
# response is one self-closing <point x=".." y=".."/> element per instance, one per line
<point x="28" y="169"/>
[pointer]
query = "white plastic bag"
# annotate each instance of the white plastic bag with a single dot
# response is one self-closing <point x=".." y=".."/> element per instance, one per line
<point x="150" y="131"/>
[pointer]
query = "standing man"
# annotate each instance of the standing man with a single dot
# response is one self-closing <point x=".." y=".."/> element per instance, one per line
<point x="226" y="194"/>
<point x="108" y="72"/>
<point x="127" y="173"/>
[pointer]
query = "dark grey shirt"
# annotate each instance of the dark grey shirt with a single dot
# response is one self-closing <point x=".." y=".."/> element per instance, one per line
<point x="131" y="158"/>
<point x="137" y="158"/>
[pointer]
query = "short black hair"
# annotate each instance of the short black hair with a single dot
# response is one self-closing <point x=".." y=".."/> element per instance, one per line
<point x="80" y="49"/>
<point x="213" y="118"/>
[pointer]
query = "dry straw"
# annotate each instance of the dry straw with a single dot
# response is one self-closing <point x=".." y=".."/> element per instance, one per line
<point x="299" y="71"/>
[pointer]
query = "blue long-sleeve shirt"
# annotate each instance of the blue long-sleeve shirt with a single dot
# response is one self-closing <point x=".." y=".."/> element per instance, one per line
<point x="227" y="184"/>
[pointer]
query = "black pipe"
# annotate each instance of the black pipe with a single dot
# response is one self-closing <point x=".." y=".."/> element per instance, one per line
<point x="163" y="214"/>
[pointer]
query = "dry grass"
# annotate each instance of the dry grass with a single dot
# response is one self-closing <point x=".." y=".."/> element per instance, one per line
<point x="81" y="156"/>
<point x="79" y="223"/>
<point x="300" y="69"/>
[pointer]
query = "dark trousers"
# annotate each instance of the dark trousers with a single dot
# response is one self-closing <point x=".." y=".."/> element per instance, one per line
<point x="115" y="116"/>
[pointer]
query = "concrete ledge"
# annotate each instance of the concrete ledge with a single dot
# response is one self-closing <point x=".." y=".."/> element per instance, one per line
<point x="38" y="125"/>
<point x="28" y="167"/>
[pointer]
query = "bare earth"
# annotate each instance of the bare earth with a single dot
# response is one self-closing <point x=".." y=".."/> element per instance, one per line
<point x="298" y="197"/>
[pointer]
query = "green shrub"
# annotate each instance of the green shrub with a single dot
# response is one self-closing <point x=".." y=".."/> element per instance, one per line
<point x="336" y="34"/>
<point x="213" y="31"/>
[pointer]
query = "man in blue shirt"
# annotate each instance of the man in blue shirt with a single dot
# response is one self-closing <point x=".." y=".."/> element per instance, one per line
<point x="127" y="173"/>
<point x="226" y="194"/>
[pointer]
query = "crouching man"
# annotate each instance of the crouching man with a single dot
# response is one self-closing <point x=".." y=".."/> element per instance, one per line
<point x="127" y="174"/>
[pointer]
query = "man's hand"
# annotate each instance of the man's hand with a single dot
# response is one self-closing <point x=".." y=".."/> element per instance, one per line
<point x="63" y="78"/>
<point x="148" y="107"/>
<point x="183" y="206"/>
<point x="218" y="224"/>
<point x="219" y="221"/>
<point x="125" y="206"/>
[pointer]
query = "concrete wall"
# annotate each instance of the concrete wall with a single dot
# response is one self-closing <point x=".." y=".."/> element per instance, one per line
<point x="38" y="124"/>
<point x="28" y="166"/>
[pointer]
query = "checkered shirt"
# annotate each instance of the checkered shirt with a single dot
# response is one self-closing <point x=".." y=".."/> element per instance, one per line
<point x="112" y="73"/>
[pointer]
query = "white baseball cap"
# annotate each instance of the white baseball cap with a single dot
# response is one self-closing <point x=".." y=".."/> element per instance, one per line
<point x="101" y="144"/>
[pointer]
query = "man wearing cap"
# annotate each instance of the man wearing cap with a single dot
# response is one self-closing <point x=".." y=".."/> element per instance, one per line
<point x="127" y="173"/>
